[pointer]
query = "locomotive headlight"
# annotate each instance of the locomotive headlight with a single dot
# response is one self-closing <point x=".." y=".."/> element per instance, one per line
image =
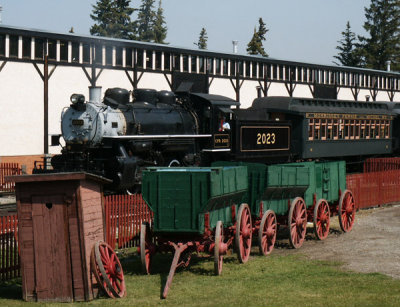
<point x="77" y="98"/>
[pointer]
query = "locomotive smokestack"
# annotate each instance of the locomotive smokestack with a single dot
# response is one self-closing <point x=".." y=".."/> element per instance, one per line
<point x="95" y="94"/>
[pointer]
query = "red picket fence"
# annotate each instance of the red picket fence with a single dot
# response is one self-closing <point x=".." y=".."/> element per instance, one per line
<point x="8" y="169"/>
<point x="9" y="258"/>
<point x="124" y="217"/>
<point x="374" y="188"/>
<point x="381" y="164"/>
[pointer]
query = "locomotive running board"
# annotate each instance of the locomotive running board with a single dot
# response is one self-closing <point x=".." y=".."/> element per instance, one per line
<point x="158" y="137"/>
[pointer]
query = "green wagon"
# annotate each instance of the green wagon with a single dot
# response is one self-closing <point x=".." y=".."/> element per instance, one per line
<point x="195" y="210"/>
<point x="209" y="209"/>
<point x="293" y="194"/>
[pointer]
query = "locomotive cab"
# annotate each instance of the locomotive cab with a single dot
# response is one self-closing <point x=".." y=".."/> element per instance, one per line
<point x="216" y="118"/>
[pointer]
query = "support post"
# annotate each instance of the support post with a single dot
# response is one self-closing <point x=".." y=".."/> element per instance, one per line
<point x="46" y="105"/>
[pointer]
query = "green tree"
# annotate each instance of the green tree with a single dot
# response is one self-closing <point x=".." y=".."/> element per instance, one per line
<point x="349" y="52"/>
<point x="160" y="28"/>
<point x="145" y="21"/>
<point x="255" y="46"/>
<point x="382" y="26"/>
<point x="202" y="43"/>
<point x="113" y="19"/>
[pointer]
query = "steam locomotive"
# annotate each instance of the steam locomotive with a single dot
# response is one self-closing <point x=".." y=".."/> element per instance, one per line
<point x="118" y="137"/>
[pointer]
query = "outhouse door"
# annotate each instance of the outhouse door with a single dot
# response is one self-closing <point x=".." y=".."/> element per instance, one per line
<point x="52" y="248"/>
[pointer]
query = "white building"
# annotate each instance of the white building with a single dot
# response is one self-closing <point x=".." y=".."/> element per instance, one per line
<point x="75" y="62"/>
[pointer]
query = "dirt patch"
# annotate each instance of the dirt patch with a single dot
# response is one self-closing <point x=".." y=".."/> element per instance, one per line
<point x="372" y="246"/>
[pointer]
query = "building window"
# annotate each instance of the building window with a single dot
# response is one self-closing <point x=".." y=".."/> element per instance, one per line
<point x="86" y="53"/>
<point x="233" y="68"/>
<point x="128" y="55"/>
<point x="260" y="70"/>
<point x="13" y="46"/>
<point x="98" y="54"/>
<point x="2" y="44"/>
<point x="139" y="58"/>
<point x="39" y="44"/>
<point x="225" y="64"/>
<point x="193" y="64"/>
<point x="64" y="51"/>
<point x="118" y="56"/>
<point x="185" y="61"/>
<point x="52" y="49"/>
<point x="201" y="65"/>
<point x="75" y="52"/>
<point x="26" y="47"/>
<point x="149" y="59"/>
<point x="246" y="66"/>
<point x="109" y="55"/>
<point x="217" y="66"/>
<point x="158" y="60"/>
<point x="167" y="61"/>
<point x="176" y="62"/>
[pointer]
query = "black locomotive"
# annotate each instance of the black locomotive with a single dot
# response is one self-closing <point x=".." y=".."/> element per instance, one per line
<point x="117" y="138"/>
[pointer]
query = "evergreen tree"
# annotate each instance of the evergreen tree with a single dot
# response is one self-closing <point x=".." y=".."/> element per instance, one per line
<point x="145" y="21"/>
<point x="382" y="25"/>
<point x="160" y="28"/>
<point x="113" y="19"/>
<point x="255" y="46"/>
<point x="349" y="53"/>
<point x="262" y="30"/>
<point x="202" y="43"/>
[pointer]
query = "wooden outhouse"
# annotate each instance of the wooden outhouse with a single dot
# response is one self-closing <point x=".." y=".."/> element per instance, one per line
<point x="61" y="217"/>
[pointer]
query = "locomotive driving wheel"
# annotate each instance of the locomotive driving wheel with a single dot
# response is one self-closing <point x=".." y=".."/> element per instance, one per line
<point x="297" y="221"/>
<point x="267" y="232"/>
<point x="347" y="211"/>
<point x="218" y="256"/>
<point x="243" y="234"/>
<point x="107" y="270"/>
<point x="146" y="247"/>
<point x="321" y="219"/>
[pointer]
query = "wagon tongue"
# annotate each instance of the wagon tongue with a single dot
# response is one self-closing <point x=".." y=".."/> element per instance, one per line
<point x="179" y="249"/>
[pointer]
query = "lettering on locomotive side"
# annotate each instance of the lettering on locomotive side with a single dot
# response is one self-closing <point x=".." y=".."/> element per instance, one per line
<point x="264" y="138"/>
<point x="222" y="141"/>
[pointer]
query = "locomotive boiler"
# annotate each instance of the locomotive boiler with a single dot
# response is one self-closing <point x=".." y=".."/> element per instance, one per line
<point x="117" y="137"/>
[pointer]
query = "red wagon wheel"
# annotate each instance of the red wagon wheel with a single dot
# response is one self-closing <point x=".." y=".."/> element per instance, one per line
<point x="243" y="233"/>
<point x="347" y="211"/>
<point x="321" y="219"/>
<point x="146" y="247"/>
<point x="218" y="257"/>
<point x="297" y="221"/>
<point x="267" y="232"/>
<point x="108" y="270"/>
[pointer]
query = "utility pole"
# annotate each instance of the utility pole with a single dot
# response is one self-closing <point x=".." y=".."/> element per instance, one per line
<point x="1" y="9"/>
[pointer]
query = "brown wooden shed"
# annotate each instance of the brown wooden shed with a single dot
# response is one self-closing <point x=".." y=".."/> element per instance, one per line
<point x="61" y="217"/>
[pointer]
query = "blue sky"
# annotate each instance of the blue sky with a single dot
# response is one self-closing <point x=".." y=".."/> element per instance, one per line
<point x="305" y="31"/>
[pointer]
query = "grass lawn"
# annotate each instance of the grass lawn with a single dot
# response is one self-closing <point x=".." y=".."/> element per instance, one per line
<point x="276" y="280"/>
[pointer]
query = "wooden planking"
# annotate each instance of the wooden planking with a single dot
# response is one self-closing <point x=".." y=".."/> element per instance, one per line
<point x="51" y="246"/>
<point x="92" y="223"/>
